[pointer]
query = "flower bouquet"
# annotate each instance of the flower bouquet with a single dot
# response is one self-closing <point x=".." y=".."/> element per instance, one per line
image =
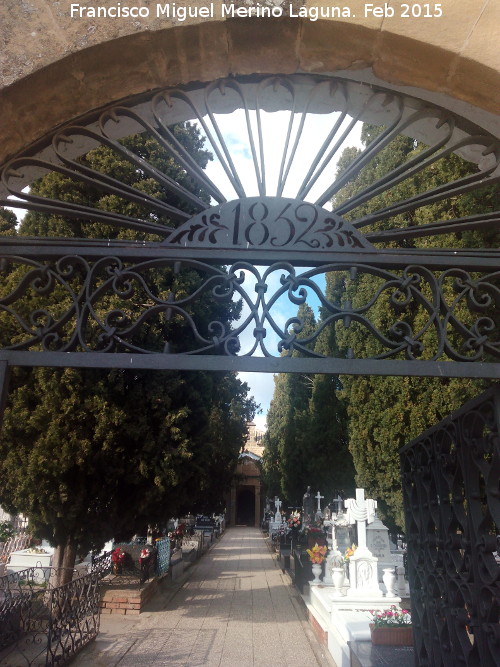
<point x="294" y="520"/>
<point x="349" y="552"/>
<point x="144" y="555"/>
<point x="391" y="627"/>
<point x="117" y="559"/>
<point x="317" y="554"/>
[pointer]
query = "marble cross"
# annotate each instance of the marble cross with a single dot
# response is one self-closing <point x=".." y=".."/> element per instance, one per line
<point x="361" y="511"/>
<point x="277" y="503"/>
<point x="319" y="498"/>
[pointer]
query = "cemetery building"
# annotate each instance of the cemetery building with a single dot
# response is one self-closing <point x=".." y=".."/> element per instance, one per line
<point x="244" y="502"/>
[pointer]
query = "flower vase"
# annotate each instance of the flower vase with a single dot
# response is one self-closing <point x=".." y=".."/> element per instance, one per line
<point x="316" y="570"/>
<point x="389" y="578"/>
<point x="338" y="577"/>
<point x="117" y="568"/>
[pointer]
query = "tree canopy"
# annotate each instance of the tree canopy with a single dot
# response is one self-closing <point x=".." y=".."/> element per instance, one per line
<point x="384" y="413"/>
<point x="319" y="426"/>
<point x="306" y="438"/>
<point x="89" y="455"/>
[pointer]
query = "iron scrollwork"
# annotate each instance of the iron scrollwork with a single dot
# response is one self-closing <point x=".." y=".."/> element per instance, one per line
<point x="107" y="305"/>
<point x="450" y="488"/>
<point x="40" y="624"/>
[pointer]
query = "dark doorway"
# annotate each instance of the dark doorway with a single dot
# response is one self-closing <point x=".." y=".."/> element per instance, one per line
<point x="245" y="507"/>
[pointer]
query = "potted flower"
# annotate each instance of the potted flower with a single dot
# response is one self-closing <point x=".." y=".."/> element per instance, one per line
<point x="117" y="559"/>
<point x="391" y="627"/>
<point x="317" y="556"/>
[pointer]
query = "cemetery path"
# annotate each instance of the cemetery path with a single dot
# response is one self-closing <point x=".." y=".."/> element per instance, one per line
<point x="235" y="608"/>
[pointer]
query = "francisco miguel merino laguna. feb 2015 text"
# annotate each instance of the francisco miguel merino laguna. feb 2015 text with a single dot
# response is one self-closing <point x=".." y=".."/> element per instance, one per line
<point x="211" y="10"/>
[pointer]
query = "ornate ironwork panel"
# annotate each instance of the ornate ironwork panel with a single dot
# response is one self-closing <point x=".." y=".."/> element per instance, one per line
<point x="74" y="618"/>
<point x="244" y="228"/>
<point x="108" y="306"/>
<point x="163" y="556"/>
<point x="101" y="565"/>
<point x="450" y="484"/>
<point x="279" y="163"/>
<point x="40" y="625"/>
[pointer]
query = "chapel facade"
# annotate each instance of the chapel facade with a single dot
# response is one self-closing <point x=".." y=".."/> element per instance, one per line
<point x="244" y="502"/>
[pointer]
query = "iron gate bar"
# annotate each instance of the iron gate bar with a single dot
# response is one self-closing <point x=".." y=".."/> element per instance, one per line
<point x="46" y="249"/>
<point x="309" y="365"/>
<point x="4" y="386"/>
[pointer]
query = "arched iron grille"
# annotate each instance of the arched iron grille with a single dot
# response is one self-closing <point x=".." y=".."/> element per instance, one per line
<point x="239" y="232"/>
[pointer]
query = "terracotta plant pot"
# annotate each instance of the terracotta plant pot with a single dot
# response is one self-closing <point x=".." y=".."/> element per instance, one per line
<point x="387" y="636"/>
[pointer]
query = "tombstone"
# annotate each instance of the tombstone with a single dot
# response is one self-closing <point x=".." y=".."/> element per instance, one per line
<point x="363" y="575"/>
<point x="277" y="516"/>
<point x="307" y="507"/>
<point x="343" y="535"/>
<point x="319" y="513"/>
<point x="377" y="540"/>
<point x="38" y="557"/>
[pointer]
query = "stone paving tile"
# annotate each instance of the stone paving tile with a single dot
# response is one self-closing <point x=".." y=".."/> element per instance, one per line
<point x="236" y="609"/>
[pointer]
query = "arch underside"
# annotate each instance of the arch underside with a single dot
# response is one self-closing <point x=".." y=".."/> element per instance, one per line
<point x="263" y="240"/>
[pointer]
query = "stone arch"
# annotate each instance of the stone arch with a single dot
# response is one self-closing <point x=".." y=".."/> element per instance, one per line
<point x="77" y="67"/>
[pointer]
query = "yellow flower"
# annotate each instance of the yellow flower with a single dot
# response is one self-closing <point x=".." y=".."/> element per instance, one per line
<point x="317" y="554"/>
<point x="350" y="551"/>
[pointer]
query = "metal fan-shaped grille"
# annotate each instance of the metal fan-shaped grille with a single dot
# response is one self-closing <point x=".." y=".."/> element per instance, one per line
<point x="316" y="118"/>
<point x="290" y="184"/>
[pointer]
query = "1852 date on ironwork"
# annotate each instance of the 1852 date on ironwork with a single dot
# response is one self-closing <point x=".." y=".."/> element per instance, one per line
<point x="267" y="223"/>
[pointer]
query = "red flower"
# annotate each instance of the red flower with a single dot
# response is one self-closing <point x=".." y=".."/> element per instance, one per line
<point x="118" y="556"/>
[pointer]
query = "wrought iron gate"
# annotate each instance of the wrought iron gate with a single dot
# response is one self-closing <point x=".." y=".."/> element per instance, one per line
<point x="88" y="302"/>
<point x="259" y="249"/>
<point x="451" y="479"/>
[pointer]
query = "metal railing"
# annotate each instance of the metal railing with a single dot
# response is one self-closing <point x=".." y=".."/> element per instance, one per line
<point x="15" y="543"/>
<point x="41" y="625"/>
<point x="163" y="556"/>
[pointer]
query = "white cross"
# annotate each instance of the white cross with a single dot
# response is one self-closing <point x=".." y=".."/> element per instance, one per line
<point x="277" y="503"/>
<point x="362" y="511"/>
<point x="319" y="498"/>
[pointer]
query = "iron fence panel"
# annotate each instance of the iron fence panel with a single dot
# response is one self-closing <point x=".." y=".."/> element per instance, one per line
<point x="450" y="486"/>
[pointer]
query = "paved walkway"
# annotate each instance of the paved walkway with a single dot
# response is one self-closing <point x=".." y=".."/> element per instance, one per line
<point x="235" y="609"/>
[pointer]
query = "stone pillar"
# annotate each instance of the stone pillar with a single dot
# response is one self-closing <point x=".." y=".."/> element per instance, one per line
<point x="232" y="507"/>
<point x="257" y="506"/>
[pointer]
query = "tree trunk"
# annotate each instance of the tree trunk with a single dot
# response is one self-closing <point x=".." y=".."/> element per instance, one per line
<point x="63" y="564"/>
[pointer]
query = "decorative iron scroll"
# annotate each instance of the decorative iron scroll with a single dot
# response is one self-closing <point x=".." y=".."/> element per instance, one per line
<point x="271" y="210"/>
<point x="452" y="506"/>
<point x="40" y="625"/>
<point x="109" y="305"/>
